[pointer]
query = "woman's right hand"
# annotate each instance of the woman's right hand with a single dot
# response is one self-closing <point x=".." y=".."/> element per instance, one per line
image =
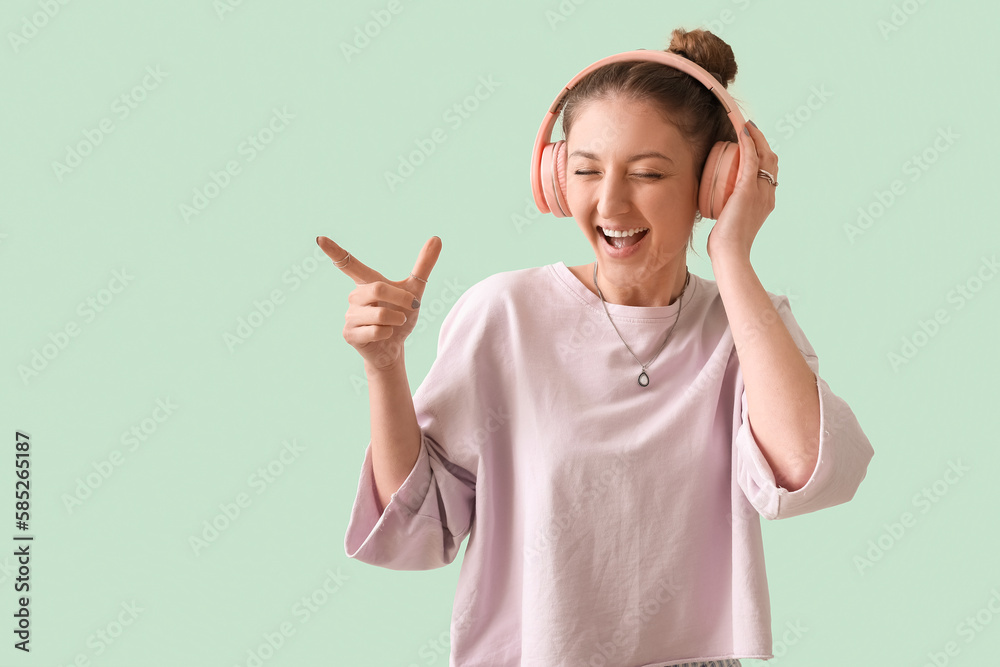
<point x="381" y="313"/>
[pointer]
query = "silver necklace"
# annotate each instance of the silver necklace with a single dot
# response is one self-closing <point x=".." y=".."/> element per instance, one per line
<point x="643" y="378"/>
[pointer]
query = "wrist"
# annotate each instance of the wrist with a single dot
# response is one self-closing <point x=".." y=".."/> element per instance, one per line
<point x="729" y="255"/>
<point x="373" y="370"/>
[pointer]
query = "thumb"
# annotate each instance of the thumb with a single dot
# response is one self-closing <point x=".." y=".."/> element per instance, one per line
<point x="425" y="263"/>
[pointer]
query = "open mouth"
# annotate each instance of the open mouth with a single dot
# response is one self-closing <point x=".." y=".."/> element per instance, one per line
<point x="622" y="241"/>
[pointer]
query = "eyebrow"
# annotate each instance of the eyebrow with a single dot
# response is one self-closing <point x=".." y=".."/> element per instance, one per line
<point x="637" y="156"/>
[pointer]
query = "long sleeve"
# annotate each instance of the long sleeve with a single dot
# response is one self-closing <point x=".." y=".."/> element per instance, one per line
<point x="844" y="450"/>
<point x="426" y="520"/>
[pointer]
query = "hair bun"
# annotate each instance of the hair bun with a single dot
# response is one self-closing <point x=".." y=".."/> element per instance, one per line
<point x="706" y="50"/>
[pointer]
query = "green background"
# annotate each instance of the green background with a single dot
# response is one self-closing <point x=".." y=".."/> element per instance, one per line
<point x="163" y="337"/>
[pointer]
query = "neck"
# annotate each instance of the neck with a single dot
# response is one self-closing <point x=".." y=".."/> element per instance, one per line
<point x="662" y="289"/>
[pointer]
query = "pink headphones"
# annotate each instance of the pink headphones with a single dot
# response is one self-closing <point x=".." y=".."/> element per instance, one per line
<point x="548" y="160"/>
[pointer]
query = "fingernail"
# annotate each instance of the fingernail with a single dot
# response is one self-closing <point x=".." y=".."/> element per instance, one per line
<point x="746" y="131"/>
<point x="415" y="304"/>
<point x="752" y="123"/>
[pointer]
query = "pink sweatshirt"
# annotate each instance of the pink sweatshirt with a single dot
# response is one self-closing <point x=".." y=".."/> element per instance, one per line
<point x="608" y="523"/>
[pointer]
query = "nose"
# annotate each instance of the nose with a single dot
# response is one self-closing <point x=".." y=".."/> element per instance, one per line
<point x="613" y="197"/>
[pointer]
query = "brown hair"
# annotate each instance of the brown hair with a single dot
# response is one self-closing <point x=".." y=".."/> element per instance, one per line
<point x="683" y="100"/>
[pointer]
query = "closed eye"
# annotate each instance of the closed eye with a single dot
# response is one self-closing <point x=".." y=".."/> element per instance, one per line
<point x="586" y="173"/>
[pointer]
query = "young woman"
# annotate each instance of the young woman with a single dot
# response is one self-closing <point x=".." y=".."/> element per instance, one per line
<point x="607" y="435"/>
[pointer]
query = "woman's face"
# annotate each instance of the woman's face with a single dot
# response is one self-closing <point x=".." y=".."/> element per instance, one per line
<point x="607" y="189"/>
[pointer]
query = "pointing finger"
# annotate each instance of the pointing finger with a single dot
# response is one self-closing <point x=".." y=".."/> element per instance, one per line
<point x="359" y="272"/>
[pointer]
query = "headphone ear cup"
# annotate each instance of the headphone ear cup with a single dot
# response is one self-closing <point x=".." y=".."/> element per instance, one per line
<point x="718" y="180"/>
<point x="553" y="178"/>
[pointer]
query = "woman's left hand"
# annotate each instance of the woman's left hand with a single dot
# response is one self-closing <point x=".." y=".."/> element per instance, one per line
<point x="751" y="201"/>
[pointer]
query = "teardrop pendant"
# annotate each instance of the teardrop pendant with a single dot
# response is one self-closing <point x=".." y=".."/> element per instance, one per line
<point x="643" y="379"/>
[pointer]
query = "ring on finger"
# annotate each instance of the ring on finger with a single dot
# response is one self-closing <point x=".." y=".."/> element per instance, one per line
<point x="768" y="175"/>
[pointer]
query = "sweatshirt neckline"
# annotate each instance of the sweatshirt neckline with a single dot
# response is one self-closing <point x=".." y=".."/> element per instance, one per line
<point x="568" y="279"/>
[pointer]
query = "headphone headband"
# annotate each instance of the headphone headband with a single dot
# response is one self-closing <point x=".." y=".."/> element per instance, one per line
<point x="671" y="60"/>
